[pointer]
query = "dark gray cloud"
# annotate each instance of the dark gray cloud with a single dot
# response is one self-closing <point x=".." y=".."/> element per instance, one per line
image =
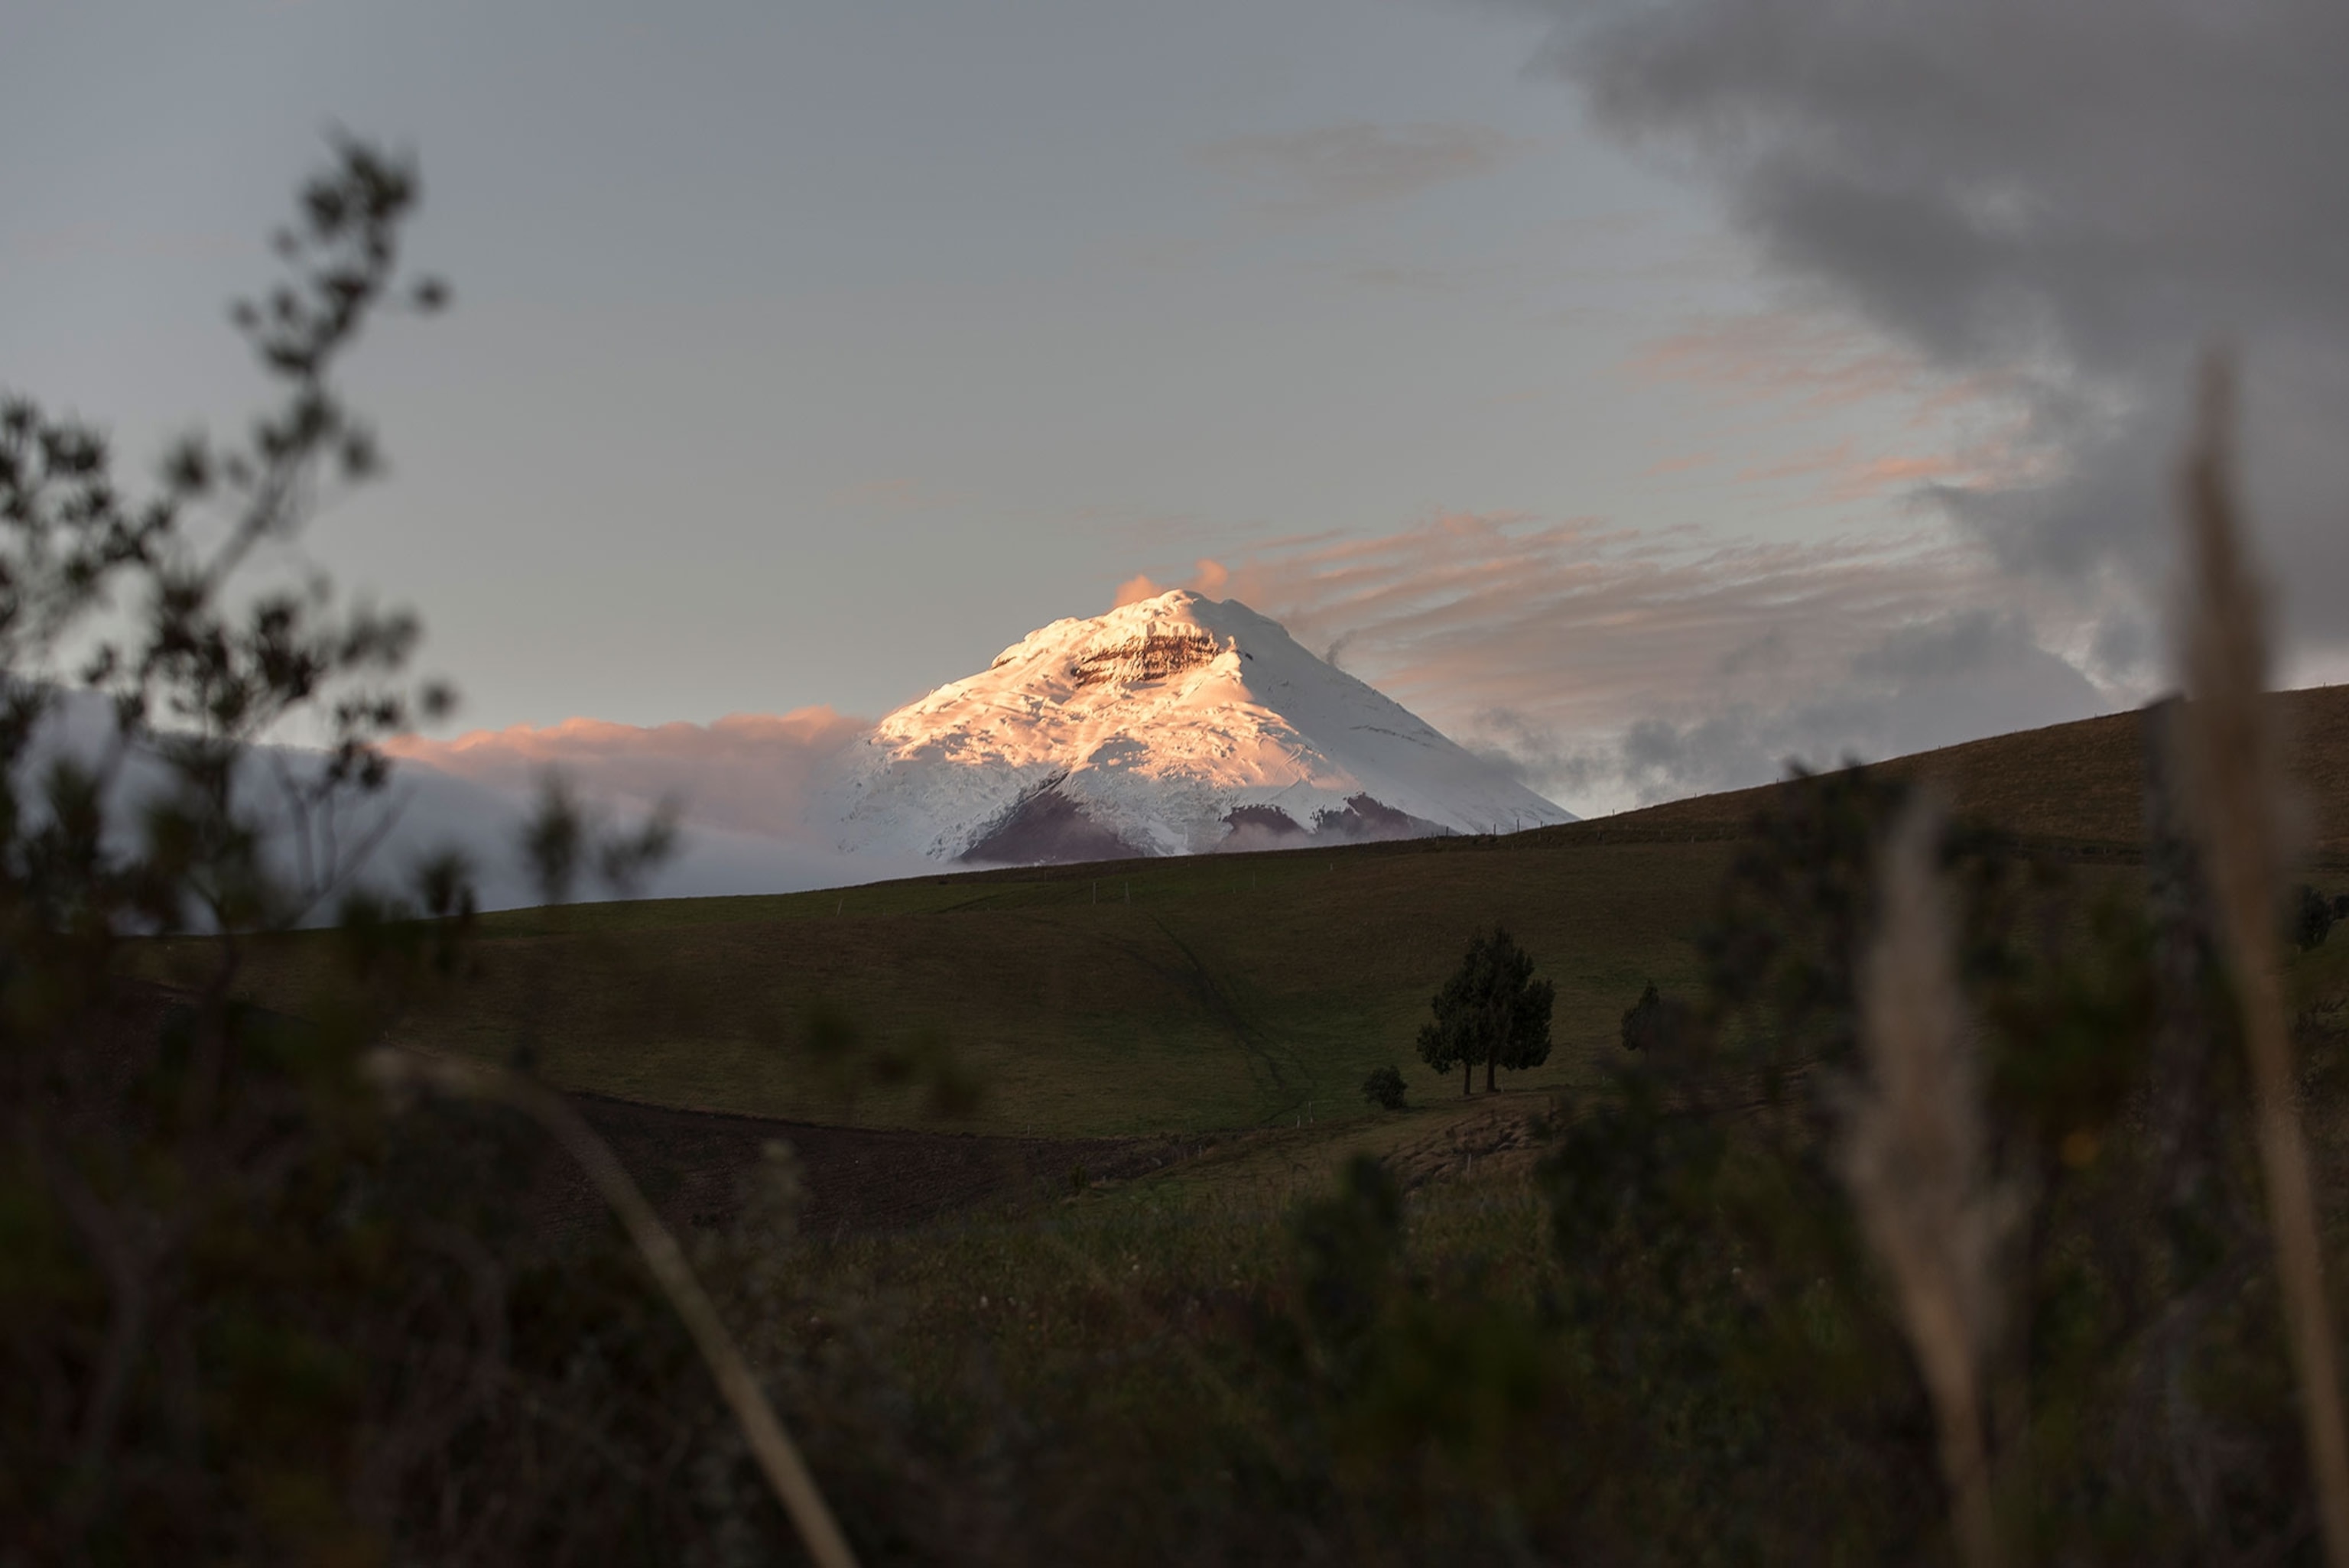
<point x="2073" y="198"/>
<point x="1937" y="684"/>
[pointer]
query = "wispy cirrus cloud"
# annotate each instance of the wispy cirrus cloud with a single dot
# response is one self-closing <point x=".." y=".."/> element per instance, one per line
<point x="1328" y="168"/>
<point x="1844" y="472"/>
<point x="1583" y="620"/>
<point x="1930" y="434"/>
<point x="1610" y="666"/>
<point x="1788" y="357"/>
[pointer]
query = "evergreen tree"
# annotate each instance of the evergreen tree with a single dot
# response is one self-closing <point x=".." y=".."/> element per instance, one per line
<point x="1655" y="1021"/>
<point x="1491" y="1010"/>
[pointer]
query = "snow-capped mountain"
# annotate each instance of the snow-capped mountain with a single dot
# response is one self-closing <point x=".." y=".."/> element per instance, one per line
<point x="1175" y="726"/>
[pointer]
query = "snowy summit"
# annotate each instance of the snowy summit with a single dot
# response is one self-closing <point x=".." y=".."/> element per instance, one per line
<point x="1179" y="725"/>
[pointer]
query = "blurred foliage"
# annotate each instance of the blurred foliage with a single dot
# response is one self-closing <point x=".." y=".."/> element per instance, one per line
<point x="1733" y="1322"/>
<point x="246" y="1314"/>
<point x="2312" y="916"/>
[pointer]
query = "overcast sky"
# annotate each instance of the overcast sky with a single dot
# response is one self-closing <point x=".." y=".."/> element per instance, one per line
<point x="1646" y="392"/>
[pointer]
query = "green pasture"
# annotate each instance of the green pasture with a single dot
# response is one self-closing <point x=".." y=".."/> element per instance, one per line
<point x="1225" y="992"/>
<point x="1222" y="991"/>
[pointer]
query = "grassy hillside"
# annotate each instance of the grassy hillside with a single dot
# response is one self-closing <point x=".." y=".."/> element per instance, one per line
<point x="1223" y="992"/>
<point x="2080" y="783"/>
<point x="1164" y="996"/>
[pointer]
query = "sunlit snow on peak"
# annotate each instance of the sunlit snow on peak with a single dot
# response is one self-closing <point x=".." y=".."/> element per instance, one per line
<point x="1175" y="725"/>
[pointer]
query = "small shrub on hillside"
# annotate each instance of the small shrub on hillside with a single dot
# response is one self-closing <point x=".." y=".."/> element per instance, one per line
<point x="1384" y="1088"/>
<point x="2312" y="918"/>
<point x="1654" y="1023"/>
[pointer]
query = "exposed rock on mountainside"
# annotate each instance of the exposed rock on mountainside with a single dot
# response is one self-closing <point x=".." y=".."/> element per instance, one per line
<point x="1179" y="725"/>
<point x="1154" y="656"/>
<point x="1047" y="827"/>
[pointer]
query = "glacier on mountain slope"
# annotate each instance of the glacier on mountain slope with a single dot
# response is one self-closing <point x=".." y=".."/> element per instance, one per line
<point x="1178" y="725"/>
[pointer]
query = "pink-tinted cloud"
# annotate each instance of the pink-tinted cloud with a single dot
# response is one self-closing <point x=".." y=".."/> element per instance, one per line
<point x="1209" y="577"/>
<point x="1843" y="472"/>
<point x="1861" y="418"/>
<point x="1803" y="370"/>
<point x="1783" y="357"/>
<point x="1610" y="666"/>
<point x="1883" y="476"/>
<point x="1681" y="463"/>
<point x="1134" y="589"/>
<point x="1330" y="167"/>
<point x="1809" y="464"/>
<point x="748" y="771"/>
<point x="1578" y="627"/>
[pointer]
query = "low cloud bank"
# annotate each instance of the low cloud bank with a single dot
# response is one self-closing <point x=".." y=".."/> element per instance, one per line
<point x="749" y="788"/>
<point x="744" y="784"/>
<point x="749" y="772"/>
<point x="429" y="812"/>
<point x="1959" y="679"/>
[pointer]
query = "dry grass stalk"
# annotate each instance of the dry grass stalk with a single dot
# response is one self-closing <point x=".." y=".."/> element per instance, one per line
<point x="1917" y="1166"/>
<point x="2231" y="760"/>
<point x="778" y="1455"/>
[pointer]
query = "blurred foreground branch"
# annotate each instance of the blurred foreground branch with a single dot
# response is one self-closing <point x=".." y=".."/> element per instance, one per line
<point x="1916" y="1167"/>
<point x="779" y="1457"/>
<point x="2230" y="758"/>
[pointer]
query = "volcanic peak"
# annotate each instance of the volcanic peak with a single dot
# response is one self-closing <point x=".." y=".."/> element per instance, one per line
<point x="1172" y="725"/>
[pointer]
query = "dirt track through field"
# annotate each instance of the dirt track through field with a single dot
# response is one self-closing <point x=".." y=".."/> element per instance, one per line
<point x="692" y="1166"/>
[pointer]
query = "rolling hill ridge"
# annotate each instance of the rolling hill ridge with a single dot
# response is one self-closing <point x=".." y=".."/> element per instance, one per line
<point x="1153" y="994"/>
<point x="1178" y="725"/>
